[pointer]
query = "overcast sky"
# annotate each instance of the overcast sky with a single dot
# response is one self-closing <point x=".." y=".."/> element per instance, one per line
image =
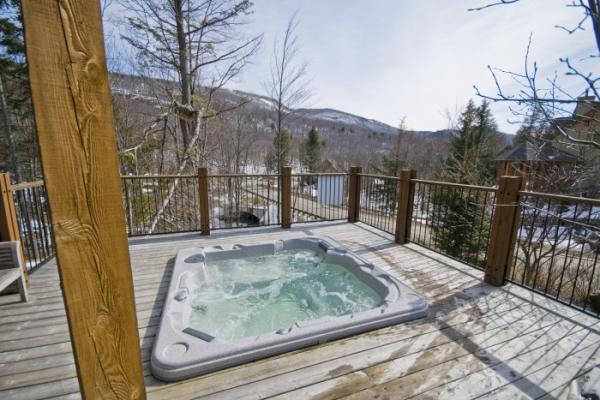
<point x="388" y="59"/>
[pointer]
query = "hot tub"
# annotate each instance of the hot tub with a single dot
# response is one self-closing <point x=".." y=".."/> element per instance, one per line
<point x="230" y="305"/>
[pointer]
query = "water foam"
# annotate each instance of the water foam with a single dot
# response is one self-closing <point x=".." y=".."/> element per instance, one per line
<point x="252" y="296"/>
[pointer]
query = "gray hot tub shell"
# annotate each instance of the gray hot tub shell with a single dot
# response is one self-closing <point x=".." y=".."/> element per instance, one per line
<point x="181" y="352"/>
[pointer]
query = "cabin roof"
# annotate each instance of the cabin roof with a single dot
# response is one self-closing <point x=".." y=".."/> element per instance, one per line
<point x="528" y="151"/>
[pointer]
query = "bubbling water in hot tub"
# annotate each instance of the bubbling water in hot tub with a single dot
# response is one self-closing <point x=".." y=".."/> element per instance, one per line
<point x="246" y="297"/>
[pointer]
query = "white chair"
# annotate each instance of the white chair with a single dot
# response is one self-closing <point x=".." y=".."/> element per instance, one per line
<point x="11" y="268"/>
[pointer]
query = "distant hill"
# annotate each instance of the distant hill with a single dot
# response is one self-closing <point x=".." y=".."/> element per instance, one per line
<point x="348" y="138"/>
<point x="145" y="89"/>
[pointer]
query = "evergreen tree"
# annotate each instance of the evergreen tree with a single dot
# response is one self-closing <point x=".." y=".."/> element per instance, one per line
<point x="390" y="164"/>
<point x="393" y="161"/>
<point x="279" y="154"/>
<point x="311" y="151"/>
<point x="473" y="148"/>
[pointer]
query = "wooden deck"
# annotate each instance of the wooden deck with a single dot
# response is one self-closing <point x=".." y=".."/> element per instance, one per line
<point x="478" y="340"/>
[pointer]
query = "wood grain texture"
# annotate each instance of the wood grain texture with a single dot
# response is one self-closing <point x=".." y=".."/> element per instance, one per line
<point x="26" y="185"/>
<point x="503" y="231"/>
<point x="406" y="193"/>
<point x="73" y="115"/>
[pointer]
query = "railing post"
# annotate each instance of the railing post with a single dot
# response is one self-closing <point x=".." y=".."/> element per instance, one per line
<point x="406" y="192"/>
<point x="9" y="225"/>
<point x="354" y="193"/>
<point x="286" y="197"/>
<point x="203" y="200"/>
<point x="503" y="230"/>
<point x="9" y="228"/>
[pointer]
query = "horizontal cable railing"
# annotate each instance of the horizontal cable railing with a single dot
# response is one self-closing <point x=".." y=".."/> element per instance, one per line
<point x="238" y="201"/>
<point x="453" y="219"/>
<point x="319" y="197"/>
<point x="33" y="217"/>
<point x="160" y="204"/>
<point x="378" y="201"/>
<point x="557" y="247"/>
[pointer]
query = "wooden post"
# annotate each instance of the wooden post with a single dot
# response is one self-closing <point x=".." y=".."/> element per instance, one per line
<point x="9" y="227"/>
<point x="503" y="230"/>
<point x="286" y="197"/>
<point x="9" y="224"/>
<point x="354" y="193"/>
<point x="203" y="199"/>
<point x="74" y="120"/>
<point x="406" y="193"/>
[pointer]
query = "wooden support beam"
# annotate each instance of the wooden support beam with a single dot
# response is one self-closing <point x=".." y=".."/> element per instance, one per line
<point x="9" y="225"/>
<point x="286" y="197"/>
<point x="354" y="193"/>
<point x="406" y="193"/>
<point x="203" y="199"/>
<point x="503" y="230"/>
<point x="74" y="120"/>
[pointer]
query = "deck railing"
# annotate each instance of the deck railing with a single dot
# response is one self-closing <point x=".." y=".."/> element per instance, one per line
<point x="238" y="201"/>
<point x="453" y="219"/>
<point x="29" y="213"/>
<point x="546" y="243"/>
<point x="319" y="197"/>
<point x="161" y="204"/>
<point x="378" y="201"/>
<point x="556" y="248"/>
<point x="169" y="204"/>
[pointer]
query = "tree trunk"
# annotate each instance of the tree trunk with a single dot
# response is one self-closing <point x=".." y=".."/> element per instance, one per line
<point x="184" y="72"/>
<point x="8" y="134"/>
<point x="594" y="6"/>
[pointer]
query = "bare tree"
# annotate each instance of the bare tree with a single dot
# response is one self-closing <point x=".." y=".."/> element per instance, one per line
<point x="549" y="96"/>
<point x="194" y="42"/>
<point x="234" y="139"/>
<point x="288" y="84"/>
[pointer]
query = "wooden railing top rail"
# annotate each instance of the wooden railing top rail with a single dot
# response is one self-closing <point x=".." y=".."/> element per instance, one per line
<point x="241" y="175"/>
<point x="229" y="175"/>
<point x="26" y="185"/>
<point x="561" y="197"/>
<point x="194" y="176"/>
<point x="457" y="185"/>
<point x="379" y="176"/>
<point x="321" y="174"/>
<point x="157" y="176"/>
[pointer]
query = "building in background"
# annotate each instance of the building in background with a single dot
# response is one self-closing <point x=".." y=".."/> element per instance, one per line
<point x="331" y="189"/>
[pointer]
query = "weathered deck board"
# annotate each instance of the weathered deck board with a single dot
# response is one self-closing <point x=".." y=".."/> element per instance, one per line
<point x="477" y="340"/>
